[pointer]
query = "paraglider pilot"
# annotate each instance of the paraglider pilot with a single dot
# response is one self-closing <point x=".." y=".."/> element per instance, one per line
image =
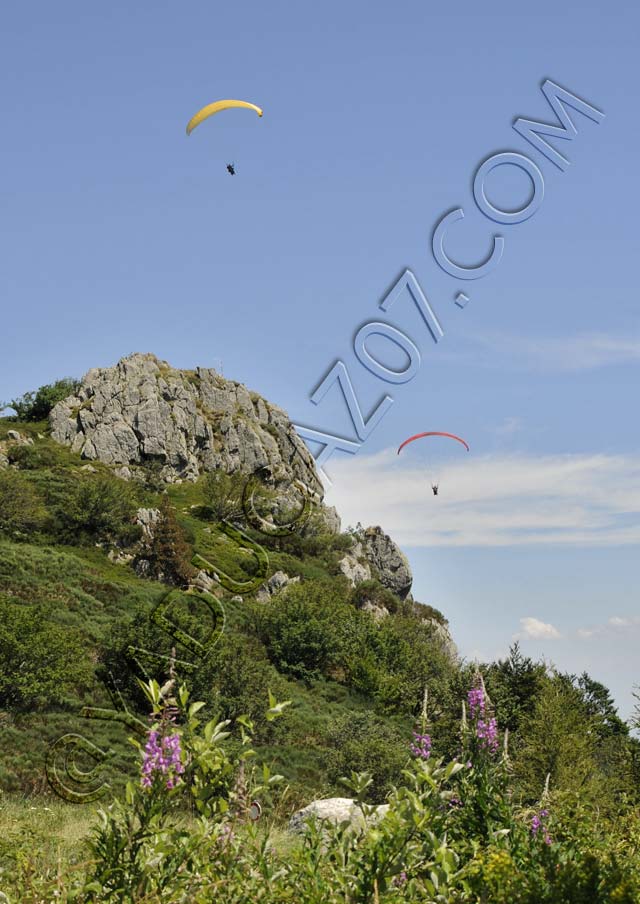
<point x="231" y="169"/>
<point x="434" y="487"/>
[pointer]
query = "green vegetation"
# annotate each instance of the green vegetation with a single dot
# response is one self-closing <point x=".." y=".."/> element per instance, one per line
<point x="35" y="406"/>
<point x="80" y="588"/>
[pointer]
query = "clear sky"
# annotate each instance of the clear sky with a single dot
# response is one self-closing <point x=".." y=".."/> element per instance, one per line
<point x="120" y="234"/>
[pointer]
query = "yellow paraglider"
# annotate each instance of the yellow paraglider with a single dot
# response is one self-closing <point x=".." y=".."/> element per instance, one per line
<point x="216" y="107"/>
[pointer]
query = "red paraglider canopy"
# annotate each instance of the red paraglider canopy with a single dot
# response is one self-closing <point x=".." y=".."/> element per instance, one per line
<point x="432" y="433"/>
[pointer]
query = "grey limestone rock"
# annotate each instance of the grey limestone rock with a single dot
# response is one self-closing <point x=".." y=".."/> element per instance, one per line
<point x="333" y="810"/>
<point x="388" y="559"/>
<point x="143" y="411"/>
<point x="277" y="582"/>
<point x="353" y="570"/>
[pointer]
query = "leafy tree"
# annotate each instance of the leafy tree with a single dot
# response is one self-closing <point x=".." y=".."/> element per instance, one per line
<point x="601" y="705"/>
<point x="236" y="677"/>
<point x="559" y="738"/>
<point x="40" y="662"/>
<point x="35" y="406"/>
<point x="302" y="628"/>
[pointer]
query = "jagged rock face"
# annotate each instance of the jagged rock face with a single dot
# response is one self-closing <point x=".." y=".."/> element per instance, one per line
<point x="334" y="810"/>
<point x="143" y="411"/>
<point x="389" y="560"/>
<point x="147" y="518"/>
<point x="353" y="570"/>
<point x="444" y="636"/>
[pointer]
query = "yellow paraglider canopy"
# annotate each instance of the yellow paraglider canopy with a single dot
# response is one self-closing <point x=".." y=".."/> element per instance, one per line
<point x="216" y="107"/>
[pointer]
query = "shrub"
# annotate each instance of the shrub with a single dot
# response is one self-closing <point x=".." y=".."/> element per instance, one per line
<point x="222" y="495"/>
<point x="35" y="406"/>
<point x="40" y="661"/>
<point x="377" y="594"/>
<point x="31" y="458"/>
<point x="360" y="742"/>
<point x="302" y="628"/>
<point x="98" y="508"/>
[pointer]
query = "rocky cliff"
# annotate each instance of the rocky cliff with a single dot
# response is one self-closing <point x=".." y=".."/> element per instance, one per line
<point x="143" y="411"/>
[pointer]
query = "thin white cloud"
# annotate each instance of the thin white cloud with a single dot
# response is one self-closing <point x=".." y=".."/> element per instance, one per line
<point x="495" y="500"/>
<point x="534" y="629"/>
<point x="583" y="351"/>
<point x="612" y="627"/>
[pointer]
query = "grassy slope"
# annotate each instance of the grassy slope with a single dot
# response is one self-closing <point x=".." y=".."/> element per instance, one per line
<point x="90" y="592"/>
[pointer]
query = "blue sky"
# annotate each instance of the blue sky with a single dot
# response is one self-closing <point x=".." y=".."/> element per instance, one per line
<point x="120" y="234"/>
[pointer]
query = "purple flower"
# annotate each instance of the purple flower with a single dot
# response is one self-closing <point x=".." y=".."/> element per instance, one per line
<point x="400" y="879"/>
<point x="476" y="701"/>
<point x="537" y="823"/>
<point x="487" y="733"/>
<point x="161" y="755"/>
<point x="421" y="746"/>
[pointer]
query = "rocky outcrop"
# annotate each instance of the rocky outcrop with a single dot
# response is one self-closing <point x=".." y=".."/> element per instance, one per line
<point x="388" y="559"/>
<point x="147" y="518"/>
<point x="142" y="411"/>
<point x="376" y="612"/>
<point x="353" y="570"/>
<point x="334" y="810"/>
<point x="277" y="582"/>
<point x="444" y="636"/>
<point x="14" y="438"/>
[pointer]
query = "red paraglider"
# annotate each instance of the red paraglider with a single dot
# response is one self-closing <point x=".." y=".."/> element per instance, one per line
<point x="434" y="486"/>
<point x="433" y="433"/>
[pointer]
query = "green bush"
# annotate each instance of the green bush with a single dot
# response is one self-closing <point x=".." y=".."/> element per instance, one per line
<point x="222" y="495"/>
<point x="303" y="628"/>
<point x="362" y="742"/>
<point x="33" y="457"/>
<point x="377" y="594"/>
<point x="99" y="508"/>
<point x="35" y="406"/>
<point x="41" y="662"/>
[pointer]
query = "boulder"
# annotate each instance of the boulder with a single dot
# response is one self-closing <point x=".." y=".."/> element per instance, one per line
<point x="147" y="519"/>
<point x="444" y="636"/>
<point x="333" y="810"/>
<point x="277" y="582"/>
<point x="204" y="581"/>
<point x="16" y="437"/>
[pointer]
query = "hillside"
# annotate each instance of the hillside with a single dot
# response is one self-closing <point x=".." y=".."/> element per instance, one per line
<point x="156" y="522"/>
<point x="83" y="563"/>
